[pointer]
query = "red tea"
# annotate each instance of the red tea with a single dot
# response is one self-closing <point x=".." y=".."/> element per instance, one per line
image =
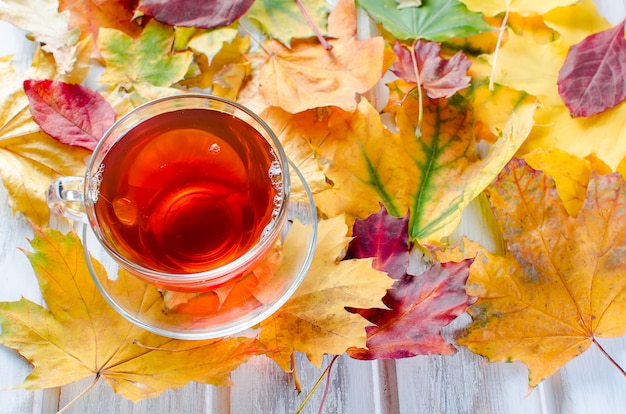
<point x="188" y="191"/>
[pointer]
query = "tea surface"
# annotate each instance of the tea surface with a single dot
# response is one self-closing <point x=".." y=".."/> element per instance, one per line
<point x="188" y="191"/>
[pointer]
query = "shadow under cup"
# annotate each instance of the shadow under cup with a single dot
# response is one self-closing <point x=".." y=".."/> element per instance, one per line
<point x="189" y="210"/>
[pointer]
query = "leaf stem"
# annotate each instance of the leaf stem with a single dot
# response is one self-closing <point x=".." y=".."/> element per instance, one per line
<point x="316" y="385"/>
<point x="498" y="45"/>
<point x="420" y="98"/>
<point x="294" y="371"/>
<point x="81" y="395"/>
<point x="606" y="354"/>
<point x="308" y="18"/>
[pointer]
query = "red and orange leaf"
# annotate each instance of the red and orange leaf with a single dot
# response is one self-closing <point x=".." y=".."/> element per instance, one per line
<point x="560" y="284"/>
<point x="441" y="78"/>
<point x="419" y="306"/>
<point x="71" y="114"/>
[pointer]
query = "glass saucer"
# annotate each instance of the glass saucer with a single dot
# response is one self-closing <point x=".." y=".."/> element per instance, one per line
<point x="224" y="310"/>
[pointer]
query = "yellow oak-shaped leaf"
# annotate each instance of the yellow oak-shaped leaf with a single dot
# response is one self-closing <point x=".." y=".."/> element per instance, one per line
<point x="523" y="7"/>
<point x="147" y="59"/>
<point x="561" y="282"/>
<point x="435" y="175"/>
<point x="29" y="158"/>
<point x="575" y="22"/>
<point x="314" y="321"/>
<point x="308" y="76"/>
<point x="80" y="335"/>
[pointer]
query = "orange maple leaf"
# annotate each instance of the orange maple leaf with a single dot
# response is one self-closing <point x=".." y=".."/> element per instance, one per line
<point x="561" y="284"/>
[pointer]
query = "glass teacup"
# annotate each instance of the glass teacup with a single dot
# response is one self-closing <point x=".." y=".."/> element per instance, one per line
<point x="186" y="201"/>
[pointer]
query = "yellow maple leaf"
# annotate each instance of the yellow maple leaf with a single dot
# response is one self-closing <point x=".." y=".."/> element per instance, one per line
<point x="314" y="320"/>
<point x="29" y="158"/>
<point x="79" y="335"/>
<point x="560" y="284"/>
<point x="307" y="76"/>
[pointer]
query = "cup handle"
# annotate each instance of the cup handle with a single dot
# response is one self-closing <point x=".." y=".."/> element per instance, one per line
<point x="66" y="198"/>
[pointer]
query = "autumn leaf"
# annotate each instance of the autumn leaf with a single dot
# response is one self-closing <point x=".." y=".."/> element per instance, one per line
<point x="147" y="59"/>
<point x="308" y="76"/>
<point x="561" y="284"/>
<point x="90" y="15"/>
<point x="41" y="19"/>
<point x="592" y="77"/>
<point x="419" y="306"/>
<point x="441" y="78"/>
<point x="435" y="21"/>
<point x="283" y="19"/>
<point x="189" y="13"/>
<point x="72" y="114"/>
<point x="314" y="320"/>
<point x="570" y="173"/>
<point x="434" y="176"/>
<point x="383" y="238"/>
<point x="29" y="159"/>
<point x="79" y="335"/>
<point x="523" y="7"/>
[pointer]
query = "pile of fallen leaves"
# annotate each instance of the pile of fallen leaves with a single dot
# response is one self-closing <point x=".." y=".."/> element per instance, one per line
<point x="396" y="133"/>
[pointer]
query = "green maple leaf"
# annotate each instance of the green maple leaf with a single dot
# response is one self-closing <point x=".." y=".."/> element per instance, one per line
<point x="434" y="20"/>
<point x="147" y="59"/>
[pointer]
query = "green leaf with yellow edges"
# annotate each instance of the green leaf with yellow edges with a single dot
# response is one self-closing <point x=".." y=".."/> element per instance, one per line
<point x="147" y="59"/>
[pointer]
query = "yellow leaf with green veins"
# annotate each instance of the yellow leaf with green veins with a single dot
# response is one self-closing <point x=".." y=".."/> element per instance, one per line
<point x="147" y="59"/>
<point x="434" y="175"/>
<point x="79" y="335"/>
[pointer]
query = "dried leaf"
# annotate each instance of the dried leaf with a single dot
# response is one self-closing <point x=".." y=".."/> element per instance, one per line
<point x="383" y="238"/>
<point x="441" y="78"/>
<point x="419" y="306"/>
<point x="29" y="159"/>
<point x="190" y="13"/>
<point x="283" y="20"/>
<point x="41" y="19"/>
<point x="524" y="7"/>
<point x="72" y="114"/>
<point x="80" y="335"/>
<point x="314" y="320"/>
<point x="592" y="78"/>
<point x="308" y="76"/>
<point x="560" y="284"/>
<point x="147" y="59"/>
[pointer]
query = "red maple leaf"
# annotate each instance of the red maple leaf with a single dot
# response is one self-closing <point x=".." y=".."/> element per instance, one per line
<point x="593" y="77"/>
<point x="441" y="78"/>
<point x="419" y="306"/>
<point x="71" y="114"/>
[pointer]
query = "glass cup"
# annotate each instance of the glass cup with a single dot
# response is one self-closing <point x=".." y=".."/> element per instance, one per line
<point x="187" y="204"/>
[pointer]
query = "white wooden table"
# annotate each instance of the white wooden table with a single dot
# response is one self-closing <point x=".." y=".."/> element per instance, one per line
<point x="463" y="383"/>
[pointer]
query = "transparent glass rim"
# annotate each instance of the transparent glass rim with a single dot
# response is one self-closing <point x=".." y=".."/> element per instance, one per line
<point x="221" y="273"/>
<point x="227" y="328"/>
